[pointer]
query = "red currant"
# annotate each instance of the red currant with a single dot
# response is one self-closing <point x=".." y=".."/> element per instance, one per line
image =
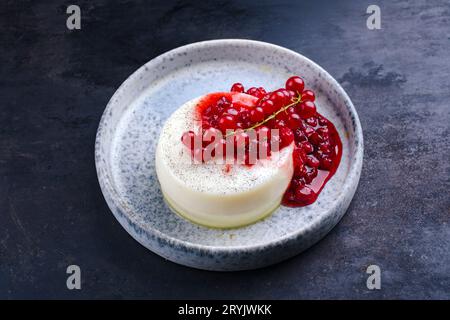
<point x="298" y="156"/>
<point x="325" y="147"/>
<point x="244" y="117"/>
<point x="323" y="132"/>
<point x="255" y="92"/>
<point x="257" y="114"/>
<point x="312" y="121"/>
<point x="291" y="110"/>
<point x="311" y="173"/>
<point x="295" y="84"/>
<point x="309" y="131"/>
<point x="300" y="170"/>
<point x="299" y="134"/>
<point x="268" y="107"/>
<point x="322" y="121"/>
<point x="308" y="95"/>
<point x="286" y="137"/>
<point x="278" y="99"/>
<point x="287" y="96"/>
<point x="221" y="104"/>
<point x="279" y="123"/>
<point x="292" y="95"/>
<point x="326" y="163"/>
<point x="294" y="121"/>
<point x="312" y="161"/>
<point x="306" y="147"/>
<point x="227" y="122"/>
<point x="237" y="87"/>
<point x="314" y="137"/>
<point x="307" y="109"/>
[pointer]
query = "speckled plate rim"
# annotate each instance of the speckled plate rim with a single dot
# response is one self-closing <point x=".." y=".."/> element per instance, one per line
<point x="110" y="194"/>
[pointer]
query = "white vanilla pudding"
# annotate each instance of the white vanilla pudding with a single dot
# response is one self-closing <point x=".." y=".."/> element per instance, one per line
<point x="217" y="195"/>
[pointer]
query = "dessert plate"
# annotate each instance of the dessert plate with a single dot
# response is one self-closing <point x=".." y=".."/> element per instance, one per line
<point x="129" y="130"/>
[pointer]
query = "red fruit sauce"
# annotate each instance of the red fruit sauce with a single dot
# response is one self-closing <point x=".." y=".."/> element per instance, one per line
<point x="317" y="146"/>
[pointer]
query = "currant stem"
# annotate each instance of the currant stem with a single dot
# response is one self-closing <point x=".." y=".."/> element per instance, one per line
<point x="273" y="115"/>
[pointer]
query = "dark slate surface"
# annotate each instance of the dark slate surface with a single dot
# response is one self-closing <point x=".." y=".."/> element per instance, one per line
<point x="54" y="85"/>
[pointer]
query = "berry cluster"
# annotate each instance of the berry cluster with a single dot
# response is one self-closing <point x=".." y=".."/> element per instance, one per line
<point x="292" y="111"/>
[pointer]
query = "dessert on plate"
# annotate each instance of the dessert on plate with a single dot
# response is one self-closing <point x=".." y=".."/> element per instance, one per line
<point x="228" y="159"/>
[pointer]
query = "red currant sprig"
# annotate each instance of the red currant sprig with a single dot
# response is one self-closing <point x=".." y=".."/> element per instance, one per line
<point x="296" y="100"/>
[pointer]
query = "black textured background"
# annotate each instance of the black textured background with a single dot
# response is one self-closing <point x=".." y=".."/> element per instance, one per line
<point x="55" y="83"/>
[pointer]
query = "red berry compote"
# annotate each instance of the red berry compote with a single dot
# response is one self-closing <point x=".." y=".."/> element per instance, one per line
<point x="257" y="120"/>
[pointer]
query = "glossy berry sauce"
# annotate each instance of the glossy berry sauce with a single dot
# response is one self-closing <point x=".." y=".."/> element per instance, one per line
<point x="309" y="180"/>
<point x="291" y="110"/>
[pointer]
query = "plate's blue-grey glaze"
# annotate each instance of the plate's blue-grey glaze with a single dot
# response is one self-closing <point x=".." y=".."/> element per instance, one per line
<point x="129" y="130"/>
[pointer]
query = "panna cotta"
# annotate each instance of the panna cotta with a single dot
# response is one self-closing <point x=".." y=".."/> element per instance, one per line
<point x="228" y="159"/>
<point x="220" y="195"/>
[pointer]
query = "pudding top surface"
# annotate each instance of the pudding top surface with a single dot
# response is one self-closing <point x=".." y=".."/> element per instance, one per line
<point x="210" y="177"/>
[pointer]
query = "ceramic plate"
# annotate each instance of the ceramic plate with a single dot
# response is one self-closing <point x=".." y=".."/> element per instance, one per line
<point x="129" y="130"/>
